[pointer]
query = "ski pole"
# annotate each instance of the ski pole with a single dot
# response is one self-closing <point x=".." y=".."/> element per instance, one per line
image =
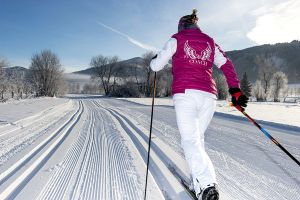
<point x="149" y="142"/>
<point x="242" y="110"/>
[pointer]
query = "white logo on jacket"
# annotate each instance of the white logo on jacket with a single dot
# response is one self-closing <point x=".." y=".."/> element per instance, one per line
<point x="196" y="58"/>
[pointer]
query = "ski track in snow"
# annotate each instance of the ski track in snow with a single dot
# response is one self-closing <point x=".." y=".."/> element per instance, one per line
<point x="96" y="166"/>
<point x="97" y="150"/>
<point x="29" y="130"/>
<point x="159" y="166"/>
<point x="20" y="181"/>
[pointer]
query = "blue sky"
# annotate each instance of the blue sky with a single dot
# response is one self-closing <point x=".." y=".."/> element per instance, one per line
<point x="73" y="30"/>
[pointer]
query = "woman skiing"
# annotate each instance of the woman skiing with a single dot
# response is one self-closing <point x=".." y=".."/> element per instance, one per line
<point x="193" y="54"/>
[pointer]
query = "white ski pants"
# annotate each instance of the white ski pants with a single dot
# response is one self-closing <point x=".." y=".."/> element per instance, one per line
<point x="194" y="111"/>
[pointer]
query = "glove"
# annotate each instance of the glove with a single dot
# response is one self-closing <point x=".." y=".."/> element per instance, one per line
<point x="238" y="98"/>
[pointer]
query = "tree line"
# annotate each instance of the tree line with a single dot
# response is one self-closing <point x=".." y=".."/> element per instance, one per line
<point x="271" y="84"/>
<point x="106" y="71"/>
<point x="45" y="78"/>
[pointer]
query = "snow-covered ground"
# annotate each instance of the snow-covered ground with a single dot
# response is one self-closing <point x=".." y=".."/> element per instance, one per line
<point x="90" y="147"/>
<point x="14" y="110"/>
<point x="283" y="113"/>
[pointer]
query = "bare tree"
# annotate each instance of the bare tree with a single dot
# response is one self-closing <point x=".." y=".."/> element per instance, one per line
<point x="46" y="73"/>
<point x="139" y="77"/>
<point x="258" y="91"/>
<point x="279" y="87"/>
<point x="265" y="72"/>
<point x="3" y="64"/>
<point x="3" y="80"/>
<point x="105" y="69"/>
<point x="16" y="80"/>
<point x="134" y="71"/>
<point x="27" y="88"/>
<point x="147" y="74"/>
<point x="3" y="87"/>
<point x="164" y="82"/>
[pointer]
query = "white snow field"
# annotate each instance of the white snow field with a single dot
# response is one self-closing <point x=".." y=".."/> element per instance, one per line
<point x="91" y="147"/>
<point x="283" y="113"/>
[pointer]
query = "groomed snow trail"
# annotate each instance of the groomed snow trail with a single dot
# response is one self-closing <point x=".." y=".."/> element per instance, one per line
<point x="16" y="137"/>
<point x="96" y="165"/>
<point x="95" y="148"/>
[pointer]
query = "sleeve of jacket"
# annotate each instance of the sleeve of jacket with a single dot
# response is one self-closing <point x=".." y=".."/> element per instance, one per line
<point x="226" y="65"/>
<point x="164" y="55"/>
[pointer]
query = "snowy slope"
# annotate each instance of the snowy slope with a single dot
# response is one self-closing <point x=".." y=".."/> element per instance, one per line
<point x="95" y="148"/>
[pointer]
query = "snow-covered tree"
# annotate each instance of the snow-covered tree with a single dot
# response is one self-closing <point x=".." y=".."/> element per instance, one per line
<point x="258" y="91"/>
<point x="3" y="64"/>
<point x="27" y="88"/>
<point x="46" y="73"/>
<point x="279" y="85"/>
<point x="265" y="72"/>
<point x="3" y="81"/>
<point x="17" y="79"/>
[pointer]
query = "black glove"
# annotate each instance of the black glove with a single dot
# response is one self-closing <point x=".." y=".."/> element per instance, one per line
<point x="238" y="98"/>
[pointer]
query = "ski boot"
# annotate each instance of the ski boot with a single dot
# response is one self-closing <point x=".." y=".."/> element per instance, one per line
<point x="209" y="193"/>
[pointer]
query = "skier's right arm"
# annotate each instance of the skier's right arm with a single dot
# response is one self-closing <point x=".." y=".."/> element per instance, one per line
<point x="164" y="55"/>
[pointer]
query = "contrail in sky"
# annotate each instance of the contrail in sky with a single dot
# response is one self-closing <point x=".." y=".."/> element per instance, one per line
<point x="130" y="39"/>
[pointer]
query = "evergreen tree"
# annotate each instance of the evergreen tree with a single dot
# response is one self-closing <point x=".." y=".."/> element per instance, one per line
<point x="246" y="85"/>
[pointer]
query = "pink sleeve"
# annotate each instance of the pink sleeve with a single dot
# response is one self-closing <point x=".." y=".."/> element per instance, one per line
<point x="225" y="64"/>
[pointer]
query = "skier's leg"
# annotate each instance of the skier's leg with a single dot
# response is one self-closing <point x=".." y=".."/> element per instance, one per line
<point x="192" y="121"/>
<point x="206" y="109"/>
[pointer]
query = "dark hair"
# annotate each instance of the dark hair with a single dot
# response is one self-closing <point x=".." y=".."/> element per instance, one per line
<point x="188" y="21"/>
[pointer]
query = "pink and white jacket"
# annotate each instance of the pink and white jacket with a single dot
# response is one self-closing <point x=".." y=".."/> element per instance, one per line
<point x="193" y="55"/>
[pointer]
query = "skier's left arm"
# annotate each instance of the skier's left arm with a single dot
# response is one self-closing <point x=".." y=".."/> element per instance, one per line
<point x="226" y="65"/>
<point x="162" y="58"/>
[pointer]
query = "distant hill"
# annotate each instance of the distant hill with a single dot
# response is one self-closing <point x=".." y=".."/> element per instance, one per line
<point x="10" y="71"/>
<point x="282" y="56"/>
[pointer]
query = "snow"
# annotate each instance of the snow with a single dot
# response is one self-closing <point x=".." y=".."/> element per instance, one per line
<point x="14" y="110"/>
<point x="282" y="113"/>
<point x="91" y="147"/>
